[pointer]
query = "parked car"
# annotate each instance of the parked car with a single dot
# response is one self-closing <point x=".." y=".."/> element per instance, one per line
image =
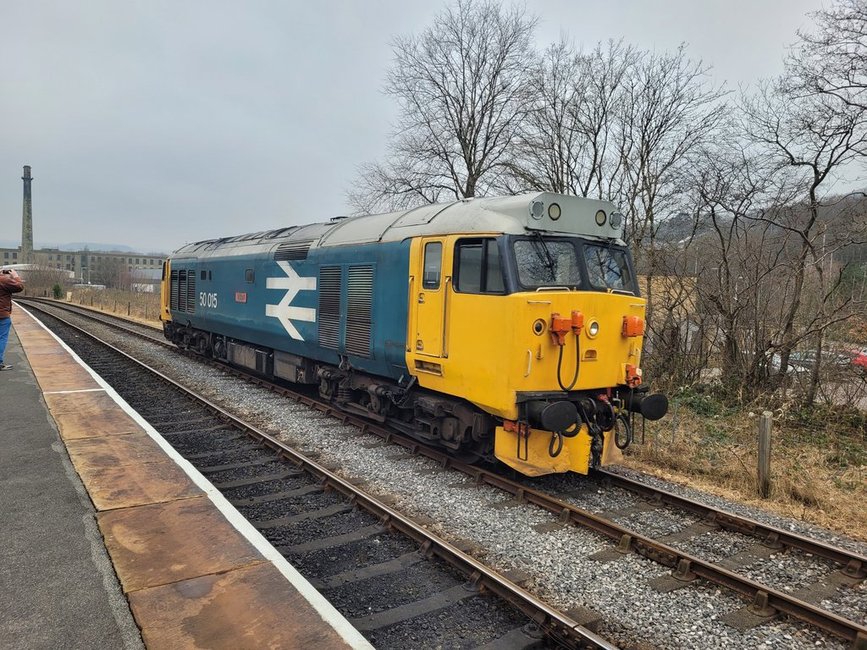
<point x="840" y="359"/>
<point x="801" y="362"/>
<point x="796" y="365"/>
<point x="859" y="358"/>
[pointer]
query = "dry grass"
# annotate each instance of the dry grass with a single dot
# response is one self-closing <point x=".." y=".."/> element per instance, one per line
<point x="142" y="307"/>
<point x="816" y="476"/>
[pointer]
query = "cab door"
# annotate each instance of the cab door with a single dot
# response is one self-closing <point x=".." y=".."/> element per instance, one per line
<point x="165" y="289"/>
<point x="431" y="282"/>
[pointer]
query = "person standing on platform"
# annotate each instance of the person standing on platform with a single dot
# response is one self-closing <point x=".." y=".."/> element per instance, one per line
<point x="10" y="282"/>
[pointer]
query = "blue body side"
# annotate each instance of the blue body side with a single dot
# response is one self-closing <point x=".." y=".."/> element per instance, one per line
<point x="220" y="308"/>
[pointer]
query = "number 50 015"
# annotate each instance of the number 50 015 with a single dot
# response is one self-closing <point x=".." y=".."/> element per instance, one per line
<point x="208" y="300"/>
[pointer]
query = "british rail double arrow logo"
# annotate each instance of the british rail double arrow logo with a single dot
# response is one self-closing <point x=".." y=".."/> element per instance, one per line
<point x="284" y="311"/>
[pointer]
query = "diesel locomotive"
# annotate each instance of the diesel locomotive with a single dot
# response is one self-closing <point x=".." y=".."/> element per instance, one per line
<point x="507" y="328"/>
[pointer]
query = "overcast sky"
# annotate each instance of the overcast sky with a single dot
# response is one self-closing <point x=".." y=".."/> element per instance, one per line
<point x="154" y="123"/>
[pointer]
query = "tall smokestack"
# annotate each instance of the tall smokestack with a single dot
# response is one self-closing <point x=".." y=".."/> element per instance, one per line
<point x="27" y="220"/>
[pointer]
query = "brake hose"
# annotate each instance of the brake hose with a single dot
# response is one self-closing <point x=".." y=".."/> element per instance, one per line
<point x="622" y="443"/>
<point x="557" y="437"/>
<point x="577" y="363"/>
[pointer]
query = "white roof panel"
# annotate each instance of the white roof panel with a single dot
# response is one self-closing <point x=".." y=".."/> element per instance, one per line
<point x="537" y="211"/>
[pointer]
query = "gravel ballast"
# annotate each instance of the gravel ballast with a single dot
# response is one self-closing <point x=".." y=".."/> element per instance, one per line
<point x="504" y="535"/>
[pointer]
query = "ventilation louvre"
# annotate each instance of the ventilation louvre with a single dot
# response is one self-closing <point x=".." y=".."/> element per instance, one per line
<point x="182" y="290"/>
<point x="329" y="306"/>
<point x="173" y="291"/>
<point x="359" y="295"/>
<point x="292" y="250"/>
<point x="191" y="292"/>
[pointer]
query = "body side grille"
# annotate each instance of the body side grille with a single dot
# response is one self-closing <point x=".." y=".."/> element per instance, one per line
<point x="329" y="306"/>
<point x="359" y="312"/>
<point x="191" y="292"/>
<point x="182" y="290"/>
<point x="173" y="291"/>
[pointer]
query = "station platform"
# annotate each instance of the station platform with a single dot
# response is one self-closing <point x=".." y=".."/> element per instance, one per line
<point x="112" y="540"/>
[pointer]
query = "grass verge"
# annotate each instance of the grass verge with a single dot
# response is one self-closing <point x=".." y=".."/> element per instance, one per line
<point x="818" y="458"/>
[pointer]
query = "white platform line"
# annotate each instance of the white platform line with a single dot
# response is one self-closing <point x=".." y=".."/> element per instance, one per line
<point x="324" y="608"/>
<point x="70" y="392"/>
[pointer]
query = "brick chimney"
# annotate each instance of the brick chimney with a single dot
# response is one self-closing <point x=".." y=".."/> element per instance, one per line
<point x="27" y="220"/>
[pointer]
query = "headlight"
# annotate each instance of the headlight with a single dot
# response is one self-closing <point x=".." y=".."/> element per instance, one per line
<point x="593" y="328"/>
<point x="616" y="220"/>
<point x="537" y="209"/>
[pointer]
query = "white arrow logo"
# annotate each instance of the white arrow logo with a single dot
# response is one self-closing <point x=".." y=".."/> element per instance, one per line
<point x="283" y="311"/>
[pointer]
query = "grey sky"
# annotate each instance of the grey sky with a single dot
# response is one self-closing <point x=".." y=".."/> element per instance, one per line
<point x="154" y="123"/>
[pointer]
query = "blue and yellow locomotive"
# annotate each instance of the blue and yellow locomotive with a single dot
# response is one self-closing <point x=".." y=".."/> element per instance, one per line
<point x="495" y="327"/>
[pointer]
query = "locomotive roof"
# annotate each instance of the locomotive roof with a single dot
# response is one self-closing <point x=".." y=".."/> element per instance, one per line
<point x="538" y="211"/>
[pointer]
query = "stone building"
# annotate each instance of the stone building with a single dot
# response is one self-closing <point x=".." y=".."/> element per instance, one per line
<point x="112" y="269"/>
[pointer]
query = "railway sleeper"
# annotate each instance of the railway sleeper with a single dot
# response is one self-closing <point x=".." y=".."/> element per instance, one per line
<point x="278" y="496"/>
<point x="389" y="567"/>
<point x="752" y="615"/>
<point x="276" y="476"/>
<point x="288" y="520"/>
<point x="680" y="577"/>
<point x="401" y="613"/>
<point x="334" y="541"/>
<point x="214" y="469"/>
<point x="520" y="638"/>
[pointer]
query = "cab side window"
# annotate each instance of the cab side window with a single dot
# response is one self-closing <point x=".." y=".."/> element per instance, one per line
<point x="478" y="266"/>
<point x="433" y="262"/>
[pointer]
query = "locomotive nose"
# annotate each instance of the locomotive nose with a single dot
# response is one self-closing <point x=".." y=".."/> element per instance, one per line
<point x="552" y="416"/>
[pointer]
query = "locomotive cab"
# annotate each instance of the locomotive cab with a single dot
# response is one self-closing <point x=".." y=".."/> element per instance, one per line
<point x="542" y="329"/>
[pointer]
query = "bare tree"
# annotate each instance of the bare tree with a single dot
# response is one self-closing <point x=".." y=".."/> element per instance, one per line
<point x="740" y="257"/>
<point x="669" y="112"/>
<point x="112" y="272"/>
<point x="40" y="280"/>
<point x="567" y="144"/>
<point x="833" y="59"/>
<point x="812" y="136"/>
<point x="462" y="90"/>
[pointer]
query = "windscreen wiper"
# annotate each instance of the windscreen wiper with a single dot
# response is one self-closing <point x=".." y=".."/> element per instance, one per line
<point x="544" y="246"/>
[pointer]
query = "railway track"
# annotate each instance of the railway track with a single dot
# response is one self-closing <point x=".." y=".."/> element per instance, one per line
<point x="396" y="582"/>
<point x="762" y="601"/>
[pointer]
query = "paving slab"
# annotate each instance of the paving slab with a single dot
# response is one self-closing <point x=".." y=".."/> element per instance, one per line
<point x="57" y="585"/>
<point x="206" y="612"/>
<point x="89" y="414"/>
<point x="135" y="485"/>
<point x="114" y="451"/>
<point x="165" y="542"/>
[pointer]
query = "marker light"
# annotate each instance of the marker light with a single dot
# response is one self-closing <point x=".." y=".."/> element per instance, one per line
<point x="600" y="218"/>
<point x="616" y="220"/>
<point x="554" y="211"/>
<point x="593" y="328"/>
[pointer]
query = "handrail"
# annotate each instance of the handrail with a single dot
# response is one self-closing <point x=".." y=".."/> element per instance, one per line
<point x="411" y="315"/>
<point x="445" y="347"/>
